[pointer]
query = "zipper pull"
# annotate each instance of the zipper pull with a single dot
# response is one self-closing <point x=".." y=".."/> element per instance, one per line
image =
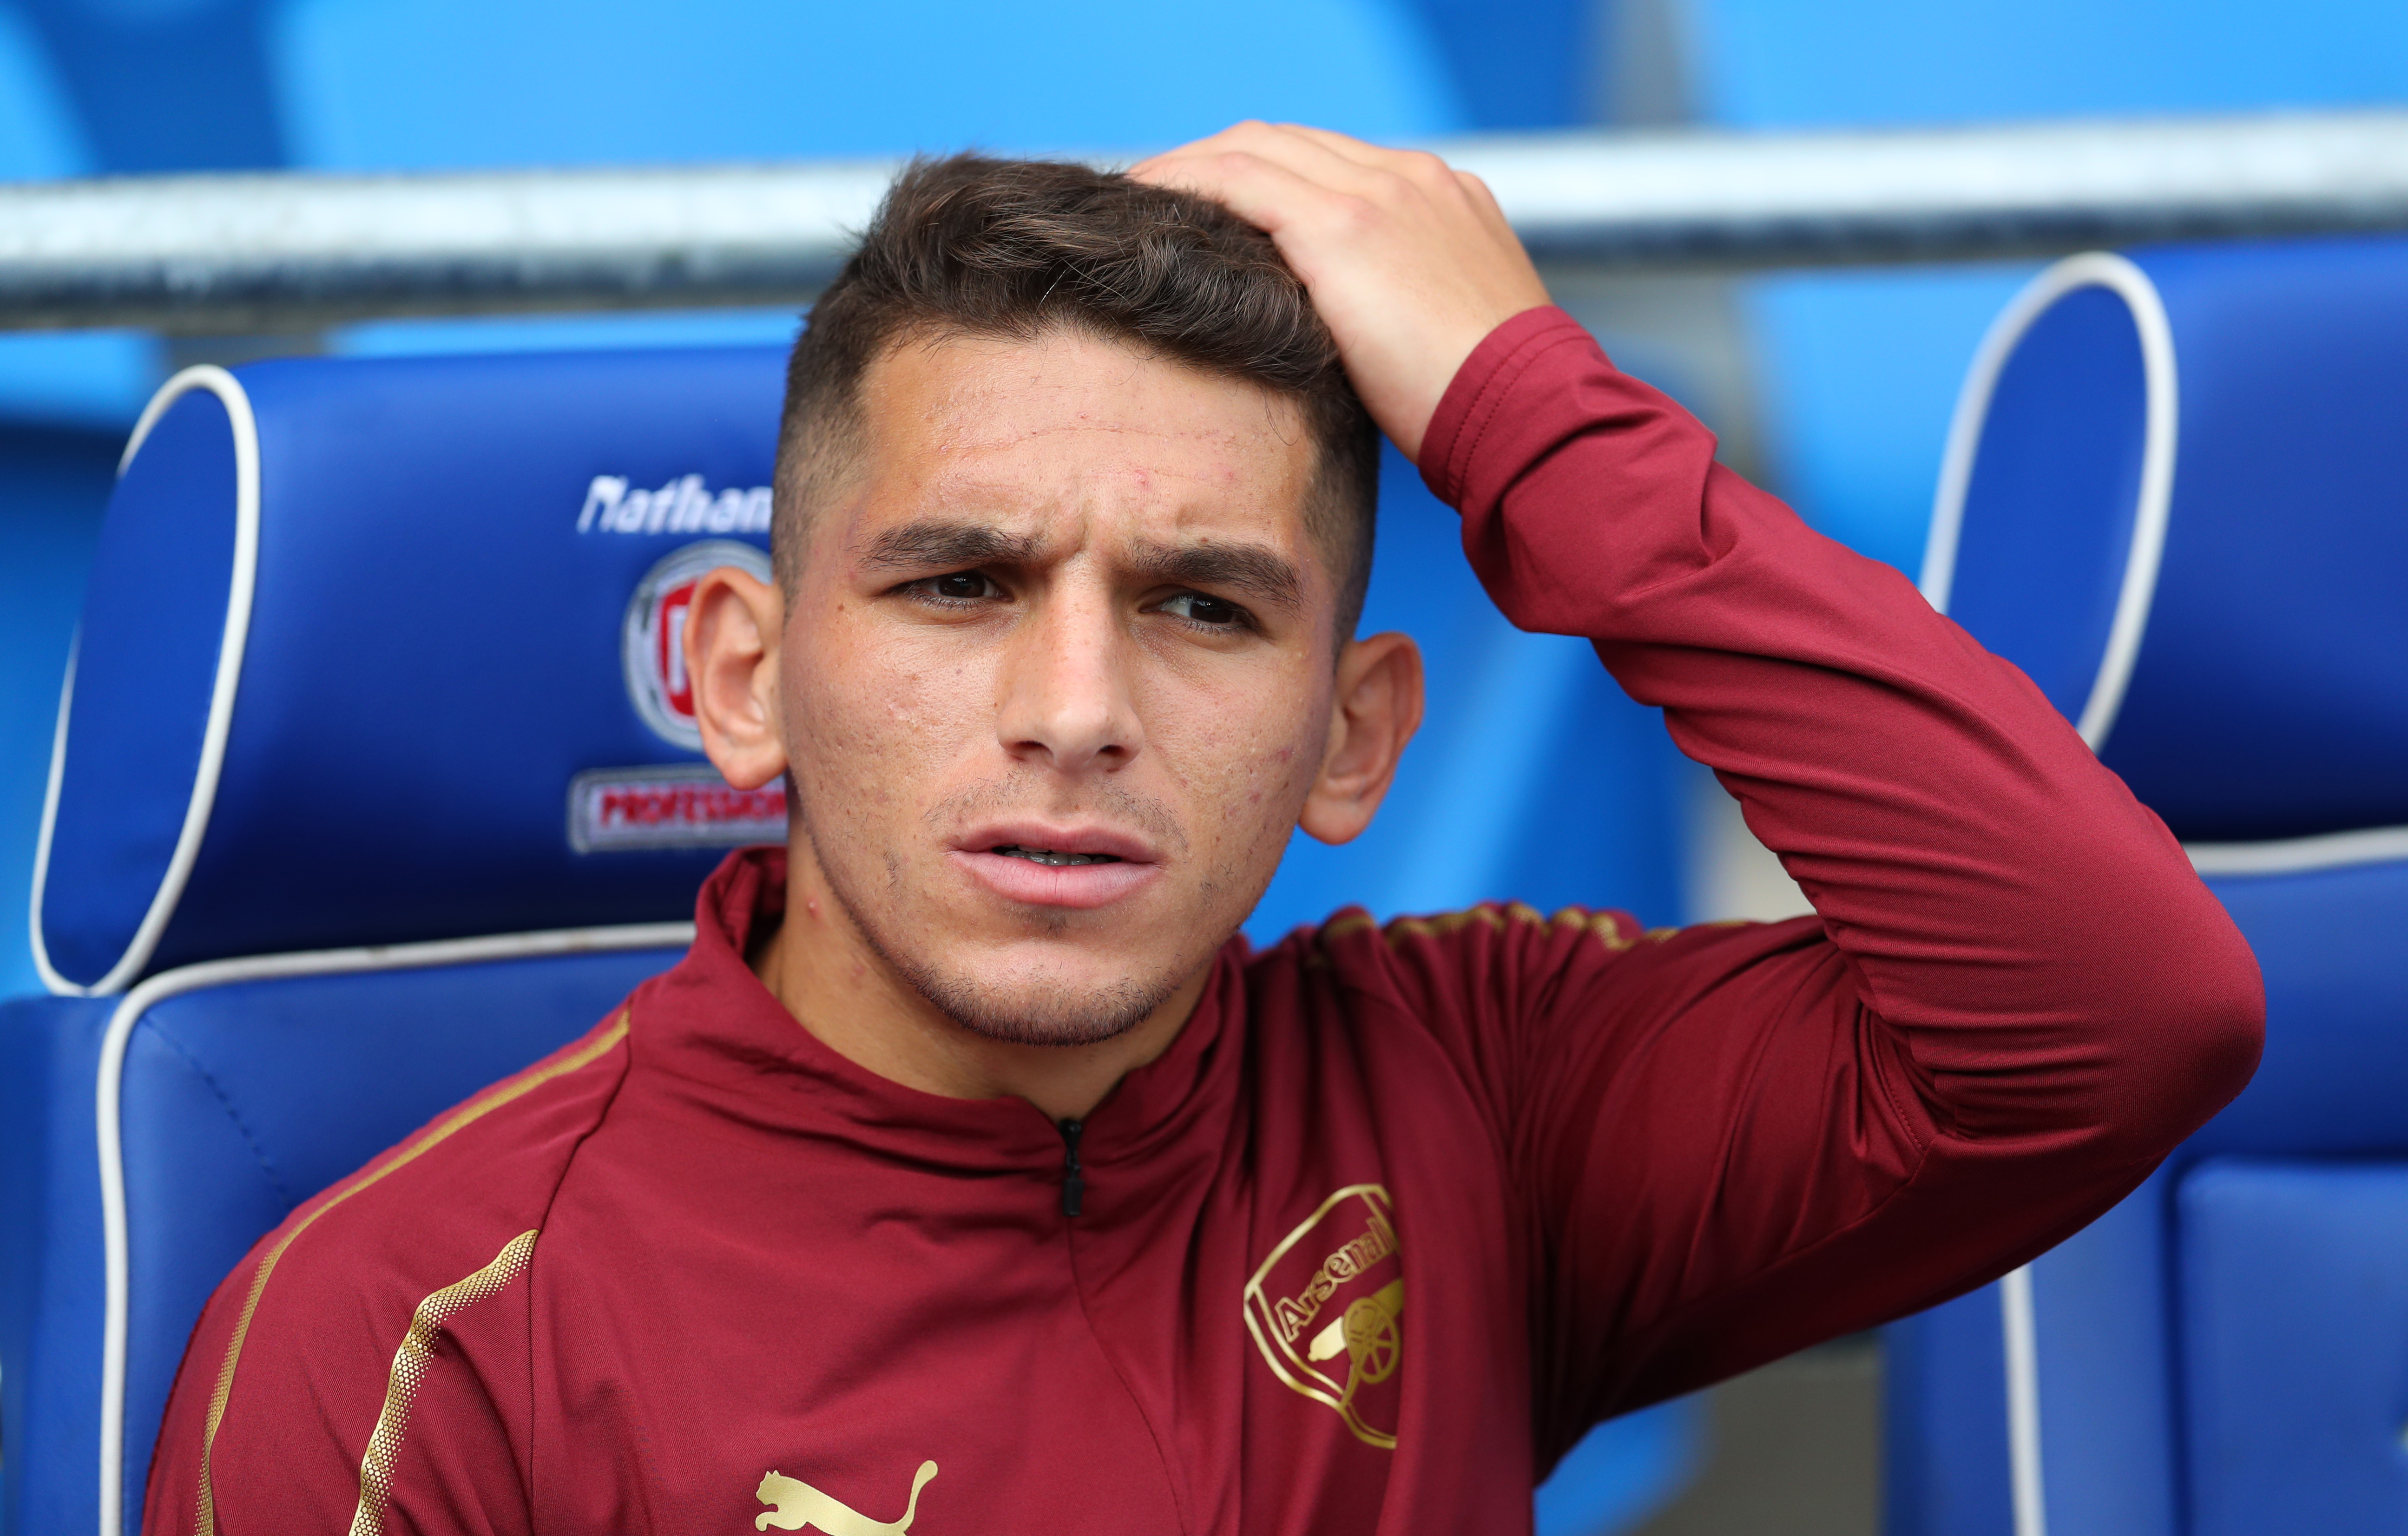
<point x="1074" y="1184"/>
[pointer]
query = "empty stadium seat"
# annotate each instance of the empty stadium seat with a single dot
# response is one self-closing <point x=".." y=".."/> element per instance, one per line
<point x="2172" y="496"/>
<point x="375" y="779"/>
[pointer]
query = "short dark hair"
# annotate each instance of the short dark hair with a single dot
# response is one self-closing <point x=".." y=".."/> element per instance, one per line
<point x="975" y="246"/>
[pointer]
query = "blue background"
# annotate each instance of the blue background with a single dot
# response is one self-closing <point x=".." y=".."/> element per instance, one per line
<point x="1534" y="780"/>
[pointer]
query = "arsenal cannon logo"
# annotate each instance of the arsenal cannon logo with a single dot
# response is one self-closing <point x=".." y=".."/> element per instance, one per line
<point x="1326" y="1309"/>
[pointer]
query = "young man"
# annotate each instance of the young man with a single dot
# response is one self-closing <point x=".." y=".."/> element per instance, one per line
<point x="970" y="1175"/>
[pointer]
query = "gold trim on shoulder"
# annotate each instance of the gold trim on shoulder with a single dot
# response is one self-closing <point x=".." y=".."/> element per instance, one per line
<point x="1398" y="929"/>
<point x="1605" y="926"/>
<point x="1608" y="929"/>
<point x="409" y="1363"/>
<point x="205" y="1523"/>
<point x="1345" y="924"/>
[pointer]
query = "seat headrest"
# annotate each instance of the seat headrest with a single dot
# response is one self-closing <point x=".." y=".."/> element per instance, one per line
<point x="2173" y="495"/>
<point x="377" y="651"/>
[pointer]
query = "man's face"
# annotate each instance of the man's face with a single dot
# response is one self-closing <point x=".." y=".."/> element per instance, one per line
<point x="1056" y="677"/>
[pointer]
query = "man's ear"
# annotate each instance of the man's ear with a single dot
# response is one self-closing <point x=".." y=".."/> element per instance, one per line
<point x="731" y="655"/>
<point x="1377" y="707"/>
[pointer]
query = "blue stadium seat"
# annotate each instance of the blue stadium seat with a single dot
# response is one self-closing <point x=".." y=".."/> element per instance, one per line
<point x="2171" y="497"/>
<point x="375" y="781"/>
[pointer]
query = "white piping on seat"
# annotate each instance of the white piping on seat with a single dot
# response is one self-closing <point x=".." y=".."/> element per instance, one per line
<point x="2162" y="420"/>
<point x="109" y="1126"/>
<point x="243" y="581"/>
<point x="2299" y="855"/>
<point x="2017" y="1315"/>
<point x="2021" y="1331"/>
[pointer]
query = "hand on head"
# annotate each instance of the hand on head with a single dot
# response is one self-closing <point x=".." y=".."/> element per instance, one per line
<point x="1409" y="261"/>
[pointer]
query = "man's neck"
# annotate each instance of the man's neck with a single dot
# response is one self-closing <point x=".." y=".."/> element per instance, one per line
<point x="836" y="986"/>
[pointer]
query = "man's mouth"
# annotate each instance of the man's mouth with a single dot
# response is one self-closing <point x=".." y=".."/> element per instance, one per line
<point x="1035" y="865"/>
<point x="1050" y="859"/>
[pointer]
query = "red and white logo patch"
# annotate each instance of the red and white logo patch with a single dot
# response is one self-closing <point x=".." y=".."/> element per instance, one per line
<point x="653" y="639"/>
<point x="682" y="805"/>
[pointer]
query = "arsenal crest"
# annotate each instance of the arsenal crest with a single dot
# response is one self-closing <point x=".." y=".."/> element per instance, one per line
<point x="1328" y="1307"/>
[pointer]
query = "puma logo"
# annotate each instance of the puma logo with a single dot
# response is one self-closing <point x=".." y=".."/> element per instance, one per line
<point x="799" y="1504"/>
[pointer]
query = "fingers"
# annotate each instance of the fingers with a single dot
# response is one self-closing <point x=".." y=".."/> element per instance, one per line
<point x="1252" y="134"/>
<point x="1283" y="178"/>
<point x="1408" y="261"/>
<point x="1267" y="194"/>
<point x="1228" y="139"/>
<point x="1328" y="159"/>
<point x="1419" y="166"/>
<point x="1313" y="162"/>
<point x="1280" y="140"/>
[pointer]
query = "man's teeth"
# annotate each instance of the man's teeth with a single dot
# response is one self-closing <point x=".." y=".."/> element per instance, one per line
<point x="1047" y="857"/>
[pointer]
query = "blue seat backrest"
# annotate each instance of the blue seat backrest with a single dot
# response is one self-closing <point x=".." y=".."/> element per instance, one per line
<point x="376" y="780"/>
<point x="336" y="600"/>
<point x="2171" y="497"/>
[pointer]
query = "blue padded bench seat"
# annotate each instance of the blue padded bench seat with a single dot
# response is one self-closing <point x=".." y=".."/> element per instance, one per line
<point x="240" y="1098"/>
<point x="2295" y="1345"/>
<point x="2172" y="497"/>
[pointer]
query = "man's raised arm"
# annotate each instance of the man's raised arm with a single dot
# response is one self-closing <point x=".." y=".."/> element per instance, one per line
<point x="2018" y="997"/>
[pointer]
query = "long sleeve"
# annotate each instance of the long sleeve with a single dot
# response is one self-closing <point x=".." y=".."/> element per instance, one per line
<point x="2015" y="999"/>
<point x="369" y="1366"/>
<point x="333" y="1401"/>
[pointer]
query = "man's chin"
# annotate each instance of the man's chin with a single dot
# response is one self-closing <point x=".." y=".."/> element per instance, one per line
<point x="1072" y="977"/>
<point x="1040" y="1013"/>
<point x="1061" y="989"/>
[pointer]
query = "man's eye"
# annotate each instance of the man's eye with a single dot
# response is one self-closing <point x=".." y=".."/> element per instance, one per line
<point x="1198" y="608"/>
<point x="962" y="586"/>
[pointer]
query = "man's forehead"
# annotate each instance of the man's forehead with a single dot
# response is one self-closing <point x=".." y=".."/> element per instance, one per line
<point x="1071" y="441"/>
<point x="965" y="397"/>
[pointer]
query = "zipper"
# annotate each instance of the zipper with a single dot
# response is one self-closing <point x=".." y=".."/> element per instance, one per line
<point x="1074" y="1183"/>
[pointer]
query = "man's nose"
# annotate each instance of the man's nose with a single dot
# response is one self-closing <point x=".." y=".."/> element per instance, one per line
<point x="1066" y="701"/>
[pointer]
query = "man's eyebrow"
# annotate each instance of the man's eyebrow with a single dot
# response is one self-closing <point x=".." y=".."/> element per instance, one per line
<point x="1250" y="570"/>
<point x="953" y="546"/>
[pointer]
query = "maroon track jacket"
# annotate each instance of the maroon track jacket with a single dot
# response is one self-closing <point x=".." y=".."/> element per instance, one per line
<point x="1402" y="1211"/>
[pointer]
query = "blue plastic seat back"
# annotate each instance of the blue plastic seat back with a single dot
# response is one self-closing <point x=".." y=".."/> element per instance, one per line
<point x="384" y="651"/>
<point x="240" y="1101"/>
<point x="2170" y="498"/>
<point x="2119" y="1392"/>
<point x="377" y="779"/>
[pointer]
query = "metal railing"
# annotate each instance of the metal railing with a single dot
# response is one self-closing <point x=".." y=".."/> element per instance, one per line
<point x="291" y="251"/>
